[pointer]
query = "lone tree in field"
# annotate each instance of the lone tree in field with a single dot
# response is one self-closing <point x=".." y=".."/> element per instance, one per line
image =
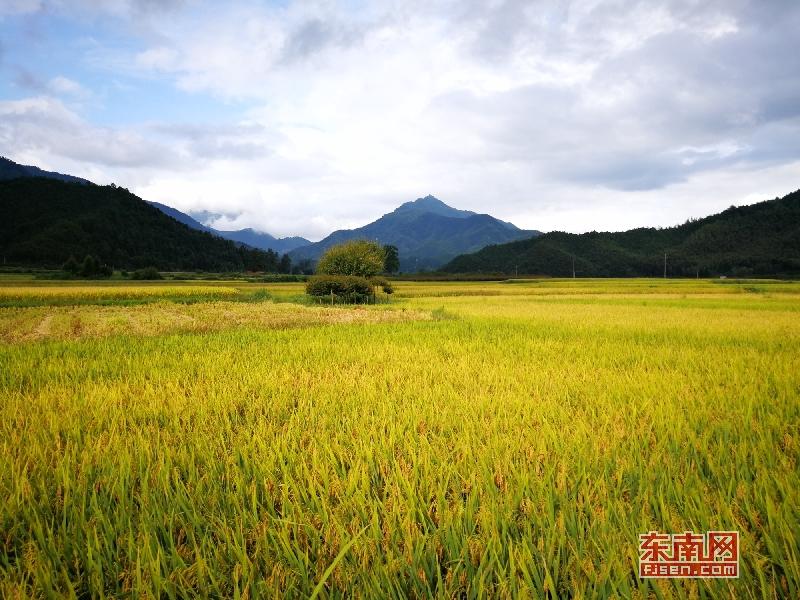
<point x="360" y="258"/>
<point x="347" y="272"/>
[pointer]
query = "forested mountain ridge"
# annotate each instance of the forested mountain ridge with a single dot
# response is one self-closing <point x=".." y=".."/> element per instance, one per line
<point x="249" y="236"/>
<point x="48" y="220"/>
<point x="11" y="170"/>
<point x="427" y="233"/>
<point x="759" y="239"/>
<point x="181" y="217"/>
<point x="262" y="239"/>
<point x="256" y="239"/>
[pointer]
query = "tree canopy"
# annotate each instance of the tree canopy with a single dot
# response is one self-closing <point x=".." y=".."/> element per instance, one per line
<point x="391" y="259"/>
<point x="360" y="258"/>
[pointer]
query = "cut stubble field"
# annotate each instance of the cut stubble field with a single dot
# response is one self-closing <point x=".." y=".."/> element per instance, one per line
<point x="462" y="440"/>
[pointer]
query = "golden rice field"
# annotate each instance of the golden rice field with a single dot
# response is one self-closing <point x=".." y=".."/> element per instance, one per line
<point x="11" y="296"/>
<point x="465" y="440"/>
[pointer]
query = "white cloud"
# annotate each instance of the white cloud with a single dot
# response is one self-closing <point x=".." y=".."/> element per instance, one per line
<point x="43" y="126"/>
<point x="160" y="59"/>
<point x="64" y="85"/>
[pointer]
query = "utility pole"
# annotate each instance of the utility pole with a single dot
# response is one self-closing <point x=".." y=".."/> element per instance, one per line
<point x="665" y="265"/>
<point x="573" y="267"/>
<point x="516" y="270"/>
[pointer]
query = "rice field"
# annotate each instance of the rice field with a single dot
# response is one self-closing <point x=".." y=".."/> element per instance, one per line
<point x="475" y="440"/>
<point x="12" y="296"/>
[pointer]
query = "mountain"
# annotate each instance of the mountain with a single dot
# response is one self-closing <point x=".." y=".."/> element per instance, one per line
<point x="761" y="239"/>
<point x="264" y="241"/>
<point x="11" y="170"/>
<point x="260" y="239"/>
<point x="47" y="220"/>
<point x="250" y="237"/>
<point x="430" y="204"/>
<point x="427" y="233"/>
<point x="181" y="217"/>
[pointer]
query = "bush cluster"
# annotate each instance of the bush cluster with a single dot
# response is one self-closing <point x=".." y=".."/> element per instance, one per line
<point x="146" y="273"/>
<point x="90" y="268"/>
<point x="382" y="283"/>
<point x="346" y="288"/>
<point x="349" y="272"/>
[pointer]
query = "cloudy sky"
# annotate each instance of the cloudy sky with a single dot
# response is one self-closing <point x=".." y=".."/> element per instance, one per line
<point x="303" y="117"/>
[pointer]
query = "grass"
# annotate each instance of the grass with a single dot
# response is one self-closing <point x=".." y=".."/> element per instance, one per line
<point x="467" y="440"/>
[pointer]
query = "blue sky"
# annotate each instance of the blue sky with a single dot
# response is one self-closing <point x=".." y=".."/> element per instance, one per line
<point x="304" y="117"/>
<point x="94" y="52"/>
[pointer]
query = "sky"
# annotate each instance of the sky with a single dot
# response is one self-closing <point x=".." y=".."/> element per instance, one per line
<point x="299" y="118"/>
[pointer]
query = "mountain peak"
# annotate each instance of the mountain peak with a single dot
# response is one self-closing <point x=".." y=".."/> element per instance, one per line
<point x="429" y="201"/>
<point x="431" y="204"/>
<point x="426" y="231"/>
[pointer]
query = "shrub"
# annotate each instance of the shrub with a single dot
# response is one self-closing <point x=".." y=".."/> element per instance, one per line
<point x="346" y="288"/>
<point x="382" y="283"/>
<point x="146" y="273"/>
<point x="281" y="278"/>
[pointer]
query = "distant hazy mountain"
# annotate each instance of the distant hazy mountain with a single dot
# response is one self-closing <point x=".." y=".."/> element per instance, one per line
<point x="761" y="239"/>
<point x="259" y="239"/>
<point x="182" y="217"/>
<point x="250" y="237"/>
<point x="11" y="170"/>
<point x="427" y="233"/>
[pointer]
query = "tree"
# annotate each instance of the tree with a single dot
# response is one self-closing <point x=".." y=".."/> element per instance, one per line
<point x="360" y="258"/>
<point x="285" y="265"/>
<point x="93" y="268"/>
<point x="71" y="266"/>
<point x="89" y="266"/>
<point x="391" y="259"/>
<point x="343" y="271"/>
<point x="303" y="267"/>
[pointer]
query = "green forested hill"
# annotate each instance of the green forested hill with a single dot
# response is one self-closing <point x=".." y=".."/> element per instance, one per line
<point x="46" y="220"/>
<point x="760" y="239"/>
<point x="11" y="170"/>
